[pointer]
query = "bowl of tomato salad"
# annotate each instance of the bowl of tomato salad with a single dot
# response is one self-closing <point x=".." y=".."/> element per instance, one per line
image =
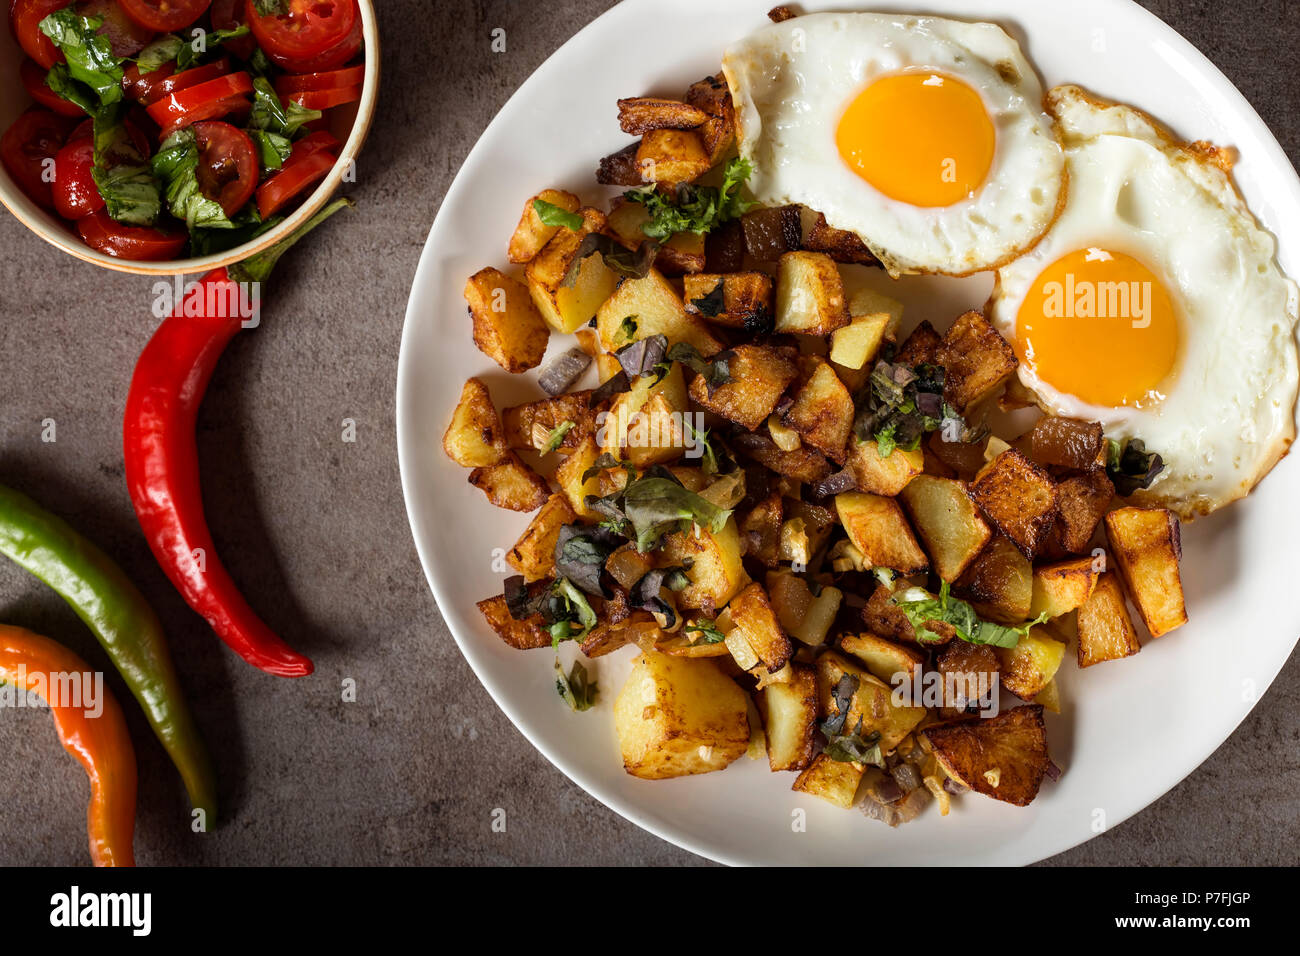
<point x="174" y="136"/>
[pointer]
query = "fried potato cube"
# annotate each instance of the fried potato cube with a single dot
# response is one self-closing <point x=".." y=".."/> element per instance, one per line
<point x="713" y="564"/>
<point x="1031" y="665"/>
<point x="809" y="294"/>
<point x="653" y="307"/>
<point x="1003" y="757"/>
<point x="508" y="328"/>
<point x="1147" y="545"/>
<point x="760" y="530"/>
<point x="871" y="709"/>
<point x="789" y="712"/>
<point x="921" y="347"/>
<point x="1062" y="587"/>
<point x="806" y="618"/>
<point x="1106" y="632"/>
<point x="532" y="424"/>
<point x="999" y="583"/>
<point x="772" y="231"/>
<point x="526" y="635"/>
<point x="877" y="528"/>
<point x="645" y="425"/>
<point x="759" y="375"/>
<point x="835" y="781"/>
<point x="639" y="115"/>
<point x="531" y="235"/>
<point x="677" y="716"/>
<point x="975" y="358"/>
<point x="672" y="156"/>
<point x="969" y="673"/>
<point x="752" y="613"/>
<point x="512" y="485"/>
<point x="1082" y="501"/>
<point x="802" y="464"/>
<point x="885" y="619"/>
<point x="822" y="412"/>
<point x="621" y="168"/>
<point x="568" y="307"/>
<point x="474" y="438"/>
<point x="1050" y="697"/>
<point x="718" y="132"/>
<point x="533" y="555"/>
<point x="569" y="477"/>
<point x="607" y="638"/>
<point x="741" y="300"/>
<point x="1067" y="443"/>
<point x="684" y="252"/>
<point x="887" y="661"/>
<point x="887" y="476"/>
<point x="840" y="244"/>
<point x="857" y="344"/>
<point x="1018" y="498"/>
<point x="948" y="523"/>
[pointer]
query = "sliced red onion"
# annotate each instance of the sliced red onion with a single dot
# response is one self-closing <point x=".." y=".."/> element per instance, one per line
<point x="835" y="484"/>
<point x="953" y="787"/>
<point x="888" y="791"/>
<point x="562" y="371"/>
<point x="907" y="776"/>
<point x="1053" y="771"/>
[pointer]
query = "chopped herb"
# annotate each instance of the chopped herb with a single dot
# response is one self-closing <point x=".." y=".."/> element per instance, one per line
<point x="561" y="605"/>
<point x="903" y="404"/>
<point x="627" y="328"/>
<point x="1130" y="466"/>
<point x="556" y="437"/>
<point x="645" y="594"/>
<point x="270" y="114"/>
<point x="271" y="8"/>
<point x="643" y="356"/>
<point x="617" y="384"/>
<point x="716" y="371"/>
<point x="176" y="166"/>
<point x="159" y="53"/>
<point x="577" y="609"/>
<point x="628" y="263"/>
<point x="580" y="555"/>
<point x="922" y="609"/>
<point x="713" y="304"/>
<point x="552" y="215"/>
<point x="656" y="506"/>
<point x="248" y="225"/>
<point x="708" y="631"/>
<point x="122" y="175"/>
<point x="272" y="149"/>
<point x="856" y="748"/>
<point x="576" y="688"/>
<point x="190" y="53"/>
<point x="697" y="209"/>
<point x="89" y="53"/>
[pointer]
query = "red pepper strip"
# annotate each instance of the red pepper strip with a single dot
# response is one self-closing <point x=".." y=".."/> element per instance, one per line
<point x="100" y="743"/>
<point x="162" y="467"/>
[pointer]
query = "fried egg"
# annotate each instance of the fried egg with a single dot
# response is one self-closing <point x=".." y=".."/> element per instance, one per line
<point x="924" y="136"/>
<point x="1155" y="306"/>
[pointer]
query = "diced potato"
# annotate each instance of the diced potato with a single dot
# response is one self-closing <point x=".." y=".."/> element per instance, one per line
<point x="746" y="299"/>
<point x="1031" y="665"/>
<point x="569" y="477"/>
<point x="969" y="673"/>
<point x="887" y="661"/>
<point x="684" y="252"/>
<point x="1019" y="499"/>
<point x="1106" y="631"/>
<point x="1003" y="757"/>
<point x="474" y="438"/>
<point x="620" y="168"/>
<point x="786" y="439"/>
<point x="525" y="635"/>
<point x="1061" y="588"/>
<point x="672" y="156"/>
<point x="857" y="344"/>
<point x="809" y="294"/>
<point x="946" y="519"/>
<point x="640" y="114"/>
<point x="835" y="781"/>
<point x="640" y="627"/>
<point x="1050" y="697"/>
<point x="569" y="307"/>
<point x="822" y="412"/>
<point x="1147" y="546"/>
<point x="508" y="329"/>
<point x="885" y="619"/>
<point x="531" y="235"/>
<point x="806" y="618"/>
<point x="511" y="484"/>
<point x="645" y="425"/>
<point x="715" y="569"/>
<point x="802" y="464"/>
<point x="883" y="476"/>
<point x="920" y="347"/>
<point x="865" y="301"/>
<point x="877" y="528"/>
<point x="1068" y="443"/>
<point x="531" y="425"/>
<point x="533" y="555"/>
<point x="760" y="530"/>
<point x="872" y="709"/>
<point x="999" y="583"/>
<point x="840" y="244"/>
<point x="1082" y="502"/>
<point x="976" y="360"/>
<point x="789" y="711"/>
<point x="759" y="374"/>
<point x="654" y="307"/>
<point x="772" y="231"/>
<point x="718" y="132"/>
<point x="677" y="716"/>
<point x="752" y="613"/>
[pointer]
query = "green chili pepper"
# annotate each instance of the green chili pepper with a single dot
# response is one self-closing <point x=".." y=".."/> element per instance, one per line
<point x="125" y="624"/>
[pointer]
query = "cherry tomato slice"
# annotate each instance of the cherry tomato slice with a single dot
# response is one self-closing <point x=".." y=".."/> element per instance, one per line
<point x="25" y="18"/>
<point x="226" y="15"/>
<point x="75" y="193"/>
<point x="149" y="88"/>
<point x="28" y="148"/>
<point x="164" y="16"/>
<point x="228" y="167"/>
<point x="310" y="30"/>
<point x="331" y="80"/>
<point x="333" y="58"/>
<point x="142" y="243"/>
<point x="33" y="78"/>
<point x="325" y="99"/>
<point x="299" y="173"/>
<point x="211" y="100"/>
<point x="314" y="143"/>
<point x="125" y="36"/>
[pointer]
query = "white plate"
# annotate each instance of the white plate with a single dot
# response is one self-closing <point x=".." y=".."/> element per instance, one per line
<point x="1131" y="730"/>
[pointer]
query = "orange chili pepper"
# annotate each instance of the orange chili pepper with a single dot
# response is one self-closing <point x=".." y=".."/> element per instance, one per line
<point x="100" y="743"/>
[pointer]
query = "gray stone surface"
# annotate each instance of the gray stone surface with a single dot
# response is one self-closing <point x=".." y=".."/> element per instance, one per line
<point x="314" y="528"/>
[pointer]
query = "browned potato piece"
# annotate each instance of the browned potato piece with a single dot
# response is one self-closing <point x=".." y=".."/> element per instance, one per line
<point x="759" y="376"/>
<point x="677" y="716"/>
<point x="474" y="438"/>
<point x="567" y="308"/>
<point x="621" y="168"/>
<point x="886" y="660"/>
<point x="1003" y="757"/>
<point x="975" y="358"/>
<point x="607" y="638"/>
<point x="672" y="156"/>
<point x="1018" y="498"/>
<point x="802" y="464"/>
<point x="772" y="231"/>
<point x="966" y="459"/>
<point x="781" y="13"/>
<point x="789" y="711"/>
<point x="532" y="234"/>
<point x="969" y="673"/>
<point x="525" y="635"/>
<point x="884" y="618"/>
<point x="1147" y="545"/>
<point x="508" y="329"/>
<point x="920" y="347"/>
<point x="1031" y="665"/>
<point x="683" y="253"/>
<point x="640" y="114"/>
<point x="533" y="555"/>
<point x="999" y="584"/>
<point x="883" y="476"/>
<point x="751" y="611"/>
<point x="714" y="566"/>
<point x="822" y="412"/>
<point x="1082" y="502"/>
<point x="569" y="477"/>
<point x="644" y="425"/>
<point x="877" y="528"/>
<point x="654" y="307"/>
<point x="840" y="244"/>
<point x="835" y="781"/>
<point x="809" y="294"/>
<point x="1060" y="588"/>
<point x="718" y="132"/>
<point x="1106" y="631"/>
<point x="760" y="530"/>
<point x="1067" y="443"/>
<point x="949" y="525"/>
<point x="871" y="709"/>
<point x="530" y="425"/>
<point x="741" y="300"/>
<point x="511" y="484"/>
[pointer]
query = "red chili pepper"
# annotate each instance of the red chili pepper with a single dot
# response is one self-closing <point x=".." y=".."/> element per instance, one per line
<point x="162" y="470"/>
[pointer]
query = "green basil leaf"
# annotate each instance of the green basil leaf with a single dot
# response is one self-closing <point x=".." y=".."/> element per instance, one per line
<point x="88" y="53"/>
<point x="552" y="215"/>
<point x="274" y="116"/>
<point x="159" y="53"/>
<point x="272" y="149"/>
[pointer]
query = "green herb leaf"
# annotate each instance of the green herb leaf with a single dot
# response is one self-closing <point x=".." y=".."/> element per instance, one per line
<point x="697" y="209"/>
<point x="921" y="608"/>
<point x="272" y="149"/>
<point x="708" y="631"/>
<point x="270" y="114"/>
<point x="192" y="51"/>
<point x="159" y="53"/>
<point x="271" y="8"/>
<point x="657" y="506"/>
<point x="62" y="84"/>
<point x="556" y="437"/>
<point x="552" y="215"/>
<point x="576" y="688"/>
<point x="122" y="175"/>
<point x="577" y="609"/>
<point x="176" y="165"/>
<point x="248" y="225"/>
<point x="1130" y="466"/>
<point x="88" y="52"/>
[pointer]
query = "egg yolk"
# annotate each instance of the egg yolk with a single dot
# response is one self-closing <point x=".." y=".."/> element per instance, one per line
<point x="919" y="138"/>
<point x="1097" y="324"/>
